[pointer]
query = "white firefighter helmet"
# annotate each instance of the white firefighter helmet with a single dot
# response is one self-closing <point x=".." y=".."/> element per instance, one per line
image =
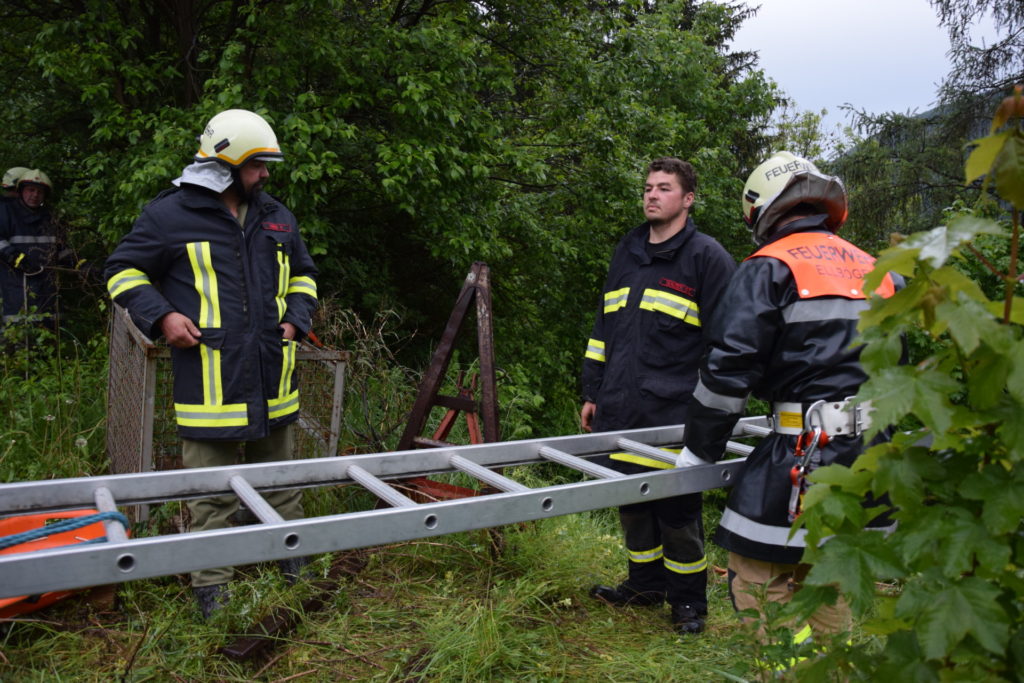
<point x="235" y="136"/>
<point x="34" y="175"/>
<point x="783" y="182"/>
<point x="11" y="177"/>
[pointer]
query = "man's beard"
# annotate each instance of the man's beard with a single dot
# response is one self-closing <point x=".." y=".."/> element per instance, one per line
<point x="246" y="196"/>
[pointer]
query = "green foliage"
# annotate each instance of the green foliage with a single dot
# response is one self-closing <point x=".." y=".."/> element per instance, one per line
<point x="419" y="137"/>
<point x="956" y="480"/>
<point x="52" y="424"/>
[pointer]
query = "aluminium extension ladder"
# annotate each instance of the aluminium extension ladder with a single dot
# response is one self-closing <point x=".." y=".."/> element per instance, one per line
<point x="122" y="559"/>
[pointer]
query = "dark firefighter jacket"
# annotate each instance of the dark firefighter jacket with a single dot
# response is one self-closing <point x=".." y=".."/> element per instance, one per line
<point x="640" y="366"/>
<point x="187" y="253"/>
<point x="780" y="342"/>
<point x="29" y="240"/>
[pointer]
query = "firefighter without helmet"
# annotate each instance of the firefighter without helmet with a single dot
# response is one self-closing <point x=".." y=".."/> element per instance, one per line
<point x="783" y="182"/>
<point x="235" y="136"/>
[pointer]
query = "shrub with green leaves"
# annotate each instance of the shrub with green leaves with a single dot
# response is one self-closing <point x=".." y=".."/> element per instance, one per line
<point x="955" y="470"/>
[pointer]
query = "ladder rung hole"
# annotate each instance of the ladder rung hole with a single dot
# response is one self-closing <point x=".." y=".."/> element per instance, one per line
<point x="726" y="475"/>
<point x="126" y="562"/>
<point x="547" y="504"/>
<point x="291" y="541"/>
<point x="645" y="488"/>
<point x="430" y="521"/>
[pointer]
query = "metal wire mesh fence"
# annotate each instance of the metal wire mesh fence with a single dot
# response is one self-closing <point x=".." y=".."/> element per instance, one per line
<point x="141" y="431"/>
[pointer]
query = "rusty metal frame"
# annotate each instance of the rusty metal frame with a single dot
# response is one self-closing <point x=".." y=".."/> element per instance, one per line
<point x="476" y="289"/>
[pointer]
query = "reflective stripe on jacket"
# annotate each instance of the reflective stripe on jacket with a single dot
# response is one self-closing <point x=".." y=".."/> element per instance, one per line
<point x="187" y="253"/>
<point x="773" y="340"/>
<point x="640" y="364"/>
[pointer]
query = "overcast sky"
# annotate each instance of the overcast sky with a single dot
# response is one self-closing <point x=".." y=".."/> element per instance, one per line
<point x="877" y="55"/>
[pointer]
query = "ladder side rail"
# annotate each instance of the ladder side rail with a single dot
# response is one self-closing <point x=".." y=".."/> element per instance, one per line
<point x="79" y="566"/>
<point x="152" y="487"/>
<point x="158" y="486"/>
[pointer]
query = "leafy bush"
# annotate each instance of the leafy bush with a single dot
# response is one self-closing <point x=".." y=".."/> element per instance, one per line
<point x="954" y="597"/>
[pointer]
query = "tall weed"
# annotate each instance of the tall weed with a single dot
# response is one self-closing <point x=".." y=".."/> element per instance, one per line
<point x="52" y="389"/>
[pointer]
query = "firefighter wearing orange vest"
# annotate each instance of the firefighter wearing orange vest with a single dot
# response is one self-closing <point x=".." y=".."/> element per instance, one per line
<point x="784" y="332"/>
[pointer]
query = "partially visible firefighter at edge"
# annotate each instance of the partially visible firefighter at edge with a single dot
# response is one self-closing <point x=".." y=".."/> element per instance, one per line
<point x="785" y="331"/>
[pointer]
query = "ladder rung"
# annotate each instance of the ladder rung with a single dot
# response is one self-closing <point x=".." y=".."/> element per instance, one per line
<point x="738" y="448"/>
<point x="649" y="451"/>
<point x="576" y="463"/>
<point x="498" y="481"/>
<point x="256" y="503"/>
<point x="756" y="430"/>
<point x="105" y="503"/>
<point x="378" y="487"/>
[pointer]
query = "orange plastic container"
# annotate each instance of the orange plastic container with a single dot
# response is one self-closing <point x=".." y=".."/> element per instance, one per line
<point x="11" y="607"/>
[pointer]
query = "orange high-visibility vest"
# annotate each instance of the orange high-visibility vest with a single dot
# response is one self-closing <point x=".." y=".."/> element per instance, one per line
<point x="825" y="265"/>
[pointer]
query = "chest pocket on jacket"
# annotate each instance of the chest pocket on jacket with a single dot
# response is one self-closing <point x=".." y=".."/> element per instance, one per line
<point x="671" y="305"/>
<point x="674" y="328"/>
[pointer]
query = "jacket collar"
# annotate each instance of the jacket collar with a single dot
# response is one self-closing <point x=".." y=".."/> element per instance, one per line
<point x="639" y="236"/>
<point x="197" y="197"/>
<point x="806" y="224"/>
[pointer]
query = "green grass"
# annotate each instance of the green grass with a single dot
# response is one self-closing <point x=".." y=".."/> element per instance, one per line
<point x="509" y="604"/>
<point x="505" y="605"/>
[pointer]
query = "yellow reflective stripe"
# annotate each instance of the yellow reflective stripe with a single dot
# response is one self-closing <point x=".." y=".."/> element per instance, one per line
<point x="212" y="388"/>
<point x="287" y="367"/>
<point x="129" y="278"/>
<point x="283" y="405"/>
<point x="687" y="567"/>
<point x="302" y="284"/>
<point x="283" y="268"/>
<point x="644" y="460"/>
<point x="615" y="300"/>
<point x="641" y="460"/>
<point x="195" y="415"/>
<point x="18" y="260"/>
<point x="595" y="350"/>
<point x="670" y="304"/>
<point x="205" y="282"/>
<point x="645" y="555"/>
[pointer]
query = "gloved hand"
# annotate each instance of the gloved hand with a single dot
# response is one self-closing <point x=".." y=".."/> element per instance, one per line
<point x="28" y="264"/>
<point x="688" y="458"/>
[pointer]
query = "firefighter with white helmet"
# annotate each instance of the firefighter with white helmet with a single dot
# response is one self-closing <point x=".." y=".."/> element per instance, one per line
<point x="784" y="332"/>
<point x="219" y="268"/>
<point x="10" y="181"/>
<point x="29" y="245"/>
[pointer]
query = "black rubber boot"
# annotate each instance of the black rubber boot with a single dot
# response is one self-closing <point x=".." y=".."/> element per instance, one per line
<point x="293" y="569"/>
<point x="687" y="619"/>
<point x="622" y="596"/>
<point x="211" y="598"/>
